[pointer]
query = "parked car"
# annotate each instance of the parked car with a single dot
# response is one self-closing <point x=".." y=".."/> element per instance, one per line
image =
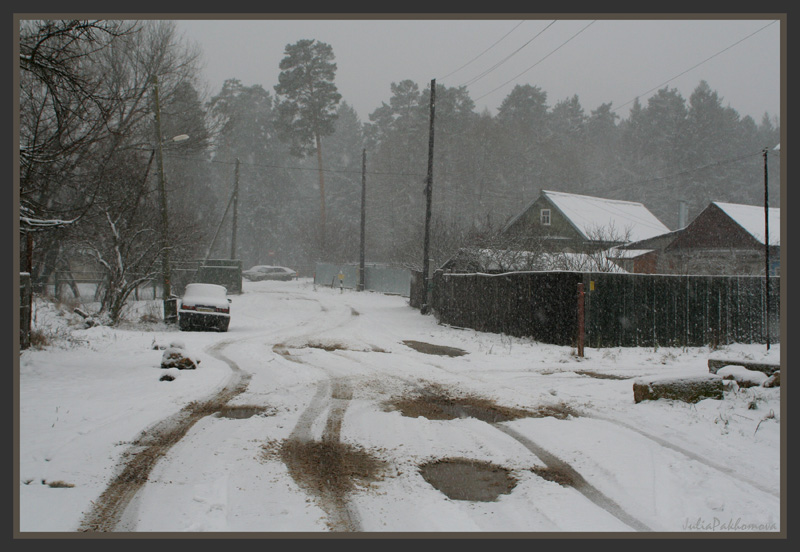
<point x="266" y="272"/>
<point x="204" y="307"/>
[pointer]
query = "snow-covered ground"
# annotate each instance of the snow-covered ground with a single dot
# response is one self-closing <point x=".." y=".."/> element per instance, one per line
<point x="712" y="466"/>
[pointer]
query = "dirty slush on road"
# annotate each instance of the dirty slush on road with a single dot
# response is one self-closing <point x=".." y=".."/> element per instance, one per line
<point x="328" y="469"/>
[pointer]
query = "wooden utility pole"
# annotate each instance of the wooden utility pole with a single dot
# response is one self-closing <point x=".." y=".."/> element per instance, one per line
<point x="766" y="246"/>
<point x="361" y="279"/>
<point x="322" y="222"/>
<point x="426" y="297"/>
<point x="235" y="223"/>
<point x="170" y="307"/>
<point x="581" y="320"/>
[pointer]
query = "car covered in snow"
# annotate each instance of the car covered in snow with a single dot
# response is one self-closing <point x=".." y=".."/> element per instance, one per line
<point x="267" y="272"/>
<point x="204" y="307"/>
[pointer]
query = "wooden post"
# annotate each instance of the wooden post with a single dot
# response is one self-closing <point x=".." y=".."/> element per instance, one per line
<point x="235" y="221"/>
<point x="580" y="319"/>
<point x="170" y="305"/>
<point x="361" y="256"/>
<point x="426" y="295"/>
<point x="766" y="248"/>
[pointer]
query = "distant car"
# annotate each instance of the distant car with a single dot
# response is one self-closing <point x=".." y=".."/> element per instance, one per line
<point x="204" y="307"/>
<point x="266" y="272"/>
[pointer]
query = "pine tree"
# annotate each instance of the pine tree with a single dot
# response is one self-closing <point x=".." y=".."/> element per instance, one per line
<point x="306" y="104"/>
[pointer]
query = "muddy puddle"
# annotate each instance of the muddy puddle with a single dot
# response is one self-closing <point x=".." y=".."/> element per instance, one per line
<point x="242" y="412"/>
<point x="328" y="468"/>
<point x="465" y="479"/>
<point x="561" y="476"/>
<point x="436" y="404"/>
<point x="431" y="349"/>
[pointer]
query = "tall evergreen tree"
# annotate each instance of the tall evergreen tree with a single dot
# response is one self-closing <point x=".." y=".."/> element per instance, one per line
<point x="343" y="156"/>
<point x="523" y="118"/>
<point x="245" y="120"/>
<point x="306" y="104"/>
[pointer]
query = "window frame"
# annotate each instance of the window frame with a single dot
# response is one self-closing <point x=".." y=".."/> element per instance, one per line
<point x="545" y="217"/>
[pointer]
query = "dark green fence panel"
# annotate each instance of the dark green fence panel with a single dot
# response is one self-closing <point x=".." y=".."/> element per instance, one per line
<point x="621" y="310"/>
<point x="225" y="272"/>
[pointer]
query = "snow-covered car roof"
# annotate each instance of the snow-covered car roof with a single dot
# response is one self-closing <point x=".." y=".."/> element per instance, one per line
<point x="206" y="294"/>
<point x="257" y="267"/>
<point x="213" y="290"/>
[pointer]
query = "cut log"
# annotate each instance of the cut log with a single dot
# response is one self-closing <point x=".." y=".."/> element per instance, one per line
<point x="687" y="389"/>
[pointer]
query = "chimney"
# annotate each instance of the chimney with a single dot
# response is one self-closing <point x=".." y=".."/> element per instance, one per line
<point x="683" y="213"/>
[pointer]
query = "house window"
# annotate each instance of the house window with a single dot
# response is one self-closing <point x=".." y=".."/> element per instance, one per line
<point x="544" y="217"/>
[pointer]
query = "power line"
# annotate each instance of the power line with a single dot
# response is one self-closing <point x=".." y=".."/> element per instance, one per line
<point x="486" y="50"/>
<point x="695" y="66"/>
<point x="494" y="193"/>
<point x="265" y="166"/>
<point x="635" y="183"/>
<point x="475" y="79"/>
<point x="538" y="62"/>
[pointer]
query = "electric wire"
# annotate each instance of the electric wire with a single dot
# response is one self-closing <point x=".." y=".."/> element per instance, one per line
<point x="476" y="78"/>
<point x="493" y="193"/>
<point x="695" y="66"/>
<point x="486" y="50"/>
<point x="538" y="62"/>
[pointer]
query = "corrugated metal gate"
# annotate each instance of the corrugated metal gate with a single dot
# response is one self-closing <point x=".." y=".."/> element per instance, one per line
<point x="382" y="278"/>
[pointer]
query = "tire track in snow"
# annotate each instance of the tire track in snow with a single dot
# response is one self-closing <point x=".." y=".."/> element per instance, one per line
<point x="113" y="510"/>
<point x="689" y="454"/>
<point x="553" y="462"/>
<point x="578" y="482"/>
<point x="334" y="396"/>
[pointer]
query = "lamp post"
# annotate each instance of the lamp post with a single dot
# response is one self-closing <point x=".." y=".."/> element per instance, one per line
<point x="766" y="243"/>
<point x="170" y="304"/>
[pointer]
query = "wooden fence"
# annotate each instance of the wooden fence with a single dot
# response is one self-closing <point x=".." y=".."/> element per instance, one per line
<point x="621" y="310"/>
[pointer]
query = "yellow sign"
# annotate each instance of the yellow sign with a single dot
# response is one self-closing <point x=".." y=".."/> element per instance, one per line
<point x="591" y="285"/>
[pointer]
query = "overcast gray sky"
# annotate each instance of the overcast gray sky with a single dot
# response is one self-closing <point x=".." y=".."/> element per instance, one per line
<point x="602" y="61"/>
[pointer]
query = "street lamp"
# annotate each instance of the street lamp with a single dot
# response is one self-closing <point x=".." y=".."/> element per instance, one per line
<point x="170" y="303"/>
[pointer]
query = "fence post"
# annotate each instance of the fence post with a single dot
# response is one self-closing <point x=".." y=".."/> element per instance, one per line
<point x="580" y="319"/>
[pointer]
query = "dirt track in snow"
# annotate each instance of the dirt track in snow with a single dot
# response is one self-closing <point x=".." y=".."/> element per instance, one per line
<point x="108" y="510"/>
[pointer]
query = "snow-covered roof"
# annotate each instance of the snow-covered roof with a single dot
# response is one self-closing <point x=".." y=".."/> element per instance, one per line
<point x="628" y="219"/>
<point x="617" y="253"/>
<point x="751" y="218"/>
<point x="517" y="261"/>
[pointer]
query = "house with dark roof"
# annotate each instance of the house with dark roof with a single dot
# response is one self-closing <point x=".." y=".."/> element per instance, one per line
<point x="644" y="256"/>
<point x="559" y="221"/>
<point x="726" y="238"/>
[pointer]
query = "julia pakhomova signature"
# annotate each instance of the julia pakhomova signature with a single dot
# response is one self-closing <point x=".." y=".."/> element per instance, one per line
<point x="730" y="524"/>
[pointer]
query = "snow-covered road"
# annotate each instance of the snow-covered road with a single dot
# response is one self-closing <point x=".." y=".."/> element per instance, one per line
<point x="323" y="367"/>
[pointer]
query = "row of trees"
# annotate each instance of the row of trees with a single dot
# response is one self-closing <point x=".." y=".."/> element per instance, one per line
<point x="87" y="145"/>
<point x="87" y="183"/>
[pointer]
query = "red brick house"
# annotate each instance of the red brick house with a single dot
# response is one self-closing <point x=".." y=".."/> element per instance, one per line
<point x="725" y="238"/>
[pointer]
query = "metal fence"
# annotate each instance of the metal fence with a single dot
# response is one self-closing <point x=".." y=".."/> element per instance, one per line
<point x="88" y="286"/>
<point x="620" y="310"/>
<point x="381" y="278"/>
